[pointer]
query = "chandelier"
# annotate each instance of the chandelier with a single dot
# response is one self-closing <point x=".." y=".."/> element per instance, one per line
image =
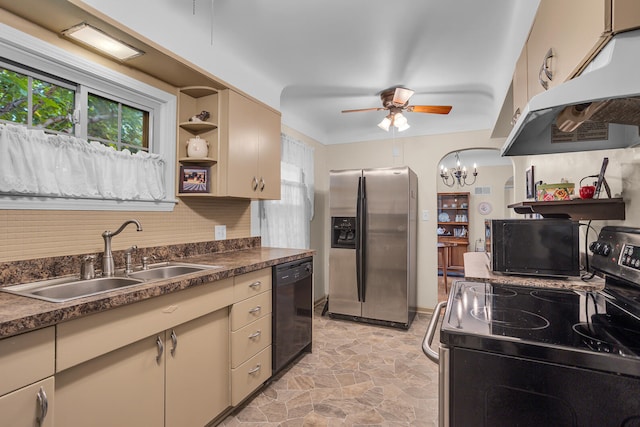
<point x="458" y="174"/>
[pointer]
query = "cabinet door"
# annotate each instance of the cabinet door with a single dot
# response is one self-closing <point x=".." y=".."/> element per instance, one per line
<point x="573" y="29"/>
<point x="122" y="388"/>
<point x="243" y="146"/>
<point x="269" y="155"/>
<point x="197" y="370"/>
<point x="520" y="82"/>
<point x="26" y="407"/>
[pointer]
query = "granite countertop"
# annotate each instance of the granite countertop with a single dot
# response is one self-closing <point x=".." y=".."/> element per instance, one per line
<point x="476" y="268"/>
<point x="20" y="314"/>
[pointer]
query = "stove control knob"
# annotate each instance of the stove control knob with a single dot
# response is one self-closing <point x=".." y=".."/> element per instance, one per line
<point x="593" y="247"/>
<point x="606" y="249"/>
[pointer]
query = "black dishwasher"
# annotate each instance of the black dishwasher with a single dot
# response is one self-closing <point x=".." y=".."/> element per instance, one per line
<point x="292" y="311"/>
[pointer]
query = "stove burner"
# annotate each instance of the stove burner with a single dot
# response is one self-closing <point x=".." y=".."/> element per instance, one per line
<point x="491" y="291"/>
<point x="510" y="318"/>
<point x="560" y="297"/>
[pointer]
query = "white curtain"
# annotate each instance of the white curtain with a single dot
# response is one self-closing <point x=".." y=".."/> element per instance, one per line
<point x="37" y="164"/>
<point x="286" y="222"/>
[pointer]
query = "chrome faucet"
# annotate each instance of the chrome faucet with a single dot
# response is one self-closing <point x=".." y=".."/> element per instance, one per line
<point x="108" y="268"/>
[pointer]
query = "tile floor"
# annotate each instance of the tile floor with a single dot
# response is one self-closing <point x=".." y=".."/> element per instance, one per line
<point x="357" y="375"/>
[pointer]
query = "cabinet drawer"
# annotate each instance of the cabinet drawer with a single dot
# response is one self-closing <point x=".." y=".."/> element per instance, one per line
<point x="250" y="375"/>
<point x="248" y="341"/>
<point x="21" y="408"/>
<point x="250" y="310"/>
<point x="83" y="339"/>
<point x="26" y="358"/>
<point x="251" y="284"/>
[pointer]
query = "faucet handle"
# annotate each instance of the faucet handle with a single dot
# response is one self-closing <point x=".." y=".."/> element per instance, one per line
<point x="145" y="262"/>
<point x="128" y="268"/>
<point x="87" y="269"/>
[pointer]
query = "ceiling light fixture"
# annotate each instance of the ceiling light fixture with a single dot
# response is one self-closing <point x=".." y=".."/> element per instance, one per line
<point x="457" y="174"/>
<point x="395" y="118"/>
<point x="97" y="39"/>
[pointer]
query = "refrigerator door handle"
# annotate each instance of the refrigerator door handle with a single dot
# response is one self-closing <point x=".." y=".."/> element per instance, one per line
<point x="363" y="240"/>
<point x="358" y="240"/>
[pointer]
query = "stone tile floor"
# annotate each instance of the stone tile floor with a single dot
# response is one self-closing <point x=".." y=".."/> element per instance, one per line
<point x="357" y="375"/>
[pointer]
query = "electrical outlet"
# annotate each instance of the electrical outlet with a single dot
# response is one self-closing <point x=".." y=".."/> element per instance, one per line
<point x="220" y="232"/>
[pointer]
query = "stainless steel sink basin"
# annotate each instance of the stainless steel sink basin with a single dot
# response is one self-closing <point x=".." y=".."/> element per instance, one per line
<point x="168" y="270"/>
<point x="68" y="288"/>
<point x="65" y="289"/>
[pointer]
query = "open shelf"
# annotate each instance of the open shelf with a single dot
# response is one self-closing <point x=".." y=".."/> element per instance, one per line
<point x="197" y="160"/>
<point x="197" y="128"/>
<point x="577" y="209"/>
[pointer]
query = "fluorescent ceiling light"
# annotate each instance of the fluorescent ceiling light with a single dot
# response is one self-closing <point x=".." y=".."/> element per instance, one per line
<point x="100" y="40"/>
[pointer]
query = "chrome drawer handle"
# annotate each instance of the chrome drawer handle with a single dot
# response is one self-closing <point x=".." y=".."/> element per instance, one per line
<point x="160" y="350"/>
<point x="262" y="183"/>
<point x="255" y="284"/>
<point x="256" y="334"/>
<point x="545" y="69"/>
<point x="174" y="341"/>
<point x="254" y="183"/>
<point x="255" y="310"/>
<point x="254" y="370"/>
<point x="43" y="404"/>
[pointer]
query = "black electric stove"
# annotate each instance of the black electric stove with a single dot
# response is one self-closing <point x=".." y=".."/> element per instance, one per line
<point x="515" y="355"/>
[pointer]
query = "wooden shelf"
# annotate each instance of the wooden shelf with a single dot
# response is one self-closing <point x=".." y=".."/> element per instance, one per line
<point x="198" y="91"/>
<point x="198" y="160"/>
<point x="197" y="128"/>
<point x="577" y="209"/>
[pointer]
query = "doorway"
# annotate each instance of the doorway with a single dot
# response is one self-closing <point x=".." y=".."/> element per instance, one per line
<point x="463" y="205"/>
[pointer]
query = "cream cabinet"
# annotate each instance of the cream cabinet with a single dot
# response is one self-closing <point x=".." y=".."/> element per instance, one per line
<point x="162" y="361"/>
<point x="520" y="90"/>
<point x="567" y="34"/>
<point x="122" y="387"/>
<point x="27" y="383"/>
<point x="197" y="370"/>
<point x="250" y="148"/>
<point x="250" y="331"/>
<point x="176" y="378"/>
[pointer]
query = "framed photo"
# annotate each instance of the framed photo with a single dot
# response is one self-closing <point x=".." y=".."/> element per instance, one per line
<point x="531" y="188"/>
<point x="194" y="179"/>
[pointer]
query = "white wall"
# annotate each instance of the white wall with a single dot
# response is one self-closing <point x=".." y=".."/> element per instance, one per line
<point x="623" y="176"/>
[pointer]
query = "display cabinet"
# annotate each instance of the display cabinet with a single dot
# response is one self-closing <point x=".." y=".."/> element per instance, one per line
<point x="453" y="227"/>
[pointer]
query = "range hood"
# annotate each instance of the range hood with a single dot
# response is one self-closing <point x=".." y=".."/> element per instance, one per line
<point x="598" y="110"/>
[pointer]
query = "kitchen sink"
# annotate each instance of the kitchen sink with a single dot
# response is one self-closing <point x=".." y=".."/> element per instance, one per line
<point x="65" y="289"/>
<point x="68" y="288"/>
<point x="168" y="270"/>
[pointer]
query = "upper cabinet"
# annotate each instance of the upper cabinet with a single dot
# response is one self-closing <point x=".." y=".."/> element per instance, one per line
<point x="235" y="152"/>
<point x="564" y="38"/>
<point x="250" y="147"/>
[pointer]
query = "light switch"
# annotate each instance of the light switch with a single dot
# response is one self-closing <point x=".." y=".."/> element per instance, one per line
<point x="220" y="232"/>
<point x="425" y="215"/>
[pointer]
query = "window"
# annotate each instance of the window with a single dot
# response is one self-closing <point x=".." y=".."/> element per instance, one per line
<point x="117" y="125"/>
<point x="39" y="102"/>
<point x="46" y="87"/>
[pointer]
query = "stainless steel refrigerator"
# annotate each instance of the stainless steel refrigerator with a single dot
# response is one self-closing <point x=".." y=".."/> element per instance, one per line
<point x="372" y="259"/>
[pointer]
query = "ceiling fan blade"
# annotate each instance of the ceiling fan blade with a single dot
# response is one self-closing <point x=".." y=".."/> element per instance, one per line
<point x="401" y="96"/>
<point x="433" y="109"/>
<point x="362" y="109"/>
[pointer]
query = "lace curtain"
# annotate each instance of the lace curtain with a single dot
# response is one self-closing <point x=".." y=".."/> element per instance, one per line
<point x="286" y="222"/>
<point x="37" y="164"/>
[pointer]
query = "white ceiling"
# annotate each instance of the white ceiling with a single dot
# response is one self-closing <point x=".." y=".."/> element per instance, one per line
<point x="312" y="59"/>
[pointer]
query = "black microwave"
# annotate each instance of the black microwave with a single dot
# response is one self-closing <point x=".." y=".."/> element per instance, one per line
<point x="539" y="247"/>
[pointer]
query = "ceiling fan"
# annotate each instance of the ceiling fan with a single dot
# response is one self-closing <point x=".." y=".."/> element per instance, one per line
<point x="396" y="100"/>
